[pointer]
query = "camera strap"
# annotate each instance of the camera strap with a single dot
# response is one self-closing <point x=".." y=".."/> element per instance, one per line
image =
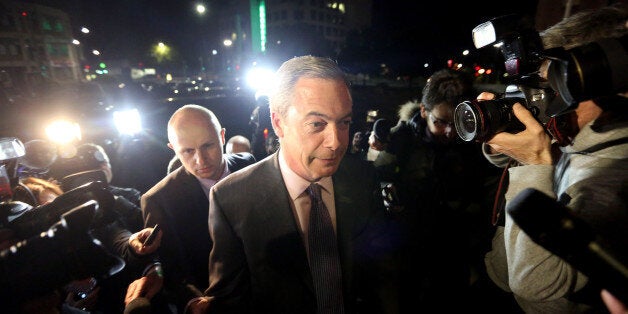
<point x="500" y="197"/>
<point x="600" y="146"/>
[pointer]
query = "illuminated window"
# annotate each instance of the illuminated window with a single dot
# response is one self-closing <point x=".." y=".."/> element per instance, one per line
<point x="59" y="27"/>
<point x="45" y="25"/>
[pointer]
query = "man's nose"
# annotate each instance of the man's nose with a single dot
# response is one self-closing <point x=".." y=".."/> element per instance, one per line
<point x="332" y="137"/>
<point x="200" y="157"/>
<point x="449" y="131"/>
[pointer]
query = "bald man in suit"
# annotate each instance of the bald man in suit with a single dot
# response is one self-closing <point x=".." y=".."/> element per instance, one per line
<point x="179" y="202"/>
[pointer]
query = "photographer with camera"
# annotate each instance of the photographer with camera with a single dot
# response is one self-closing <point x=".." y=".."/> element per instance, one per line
<point x="442" y="183"/>
<point x="579" y="156"/>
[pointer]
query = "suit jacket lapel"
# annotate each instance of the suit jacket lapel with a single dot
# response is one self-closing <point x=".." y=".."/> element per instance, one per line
<point x="345" y="211"/>
<point x="279" y="215"/>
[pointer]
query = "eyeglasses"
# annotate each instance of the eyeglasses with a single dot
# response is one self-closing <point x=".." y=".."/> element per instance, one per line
<point x="440" y="123"/>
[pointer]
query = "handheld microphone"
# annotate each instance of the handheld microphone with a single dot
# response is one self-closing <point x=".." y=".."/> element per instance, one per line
<point x="557" y="229"/>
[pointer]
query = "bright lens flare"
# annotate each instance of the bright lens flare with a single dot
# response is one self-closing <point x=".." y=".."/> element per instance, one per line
<point x="260" y="79"/>
<point x="128" y="122"/>
<point x="63" y="132"/>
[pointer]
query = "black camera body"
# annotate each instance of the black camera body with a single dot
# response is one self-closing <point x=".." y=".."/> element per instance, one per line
<point x="56" y="244"/>
<point x="521" y="47"/>
<point x="56" y="256"/>
<point x="585" y="72"/>
<point x="479" y="120"/>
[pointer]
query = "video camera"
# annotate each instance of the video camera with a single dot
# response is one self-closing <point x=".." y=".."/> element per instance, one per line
<point x="585" y="72"/>
<point x="55" y="241"/>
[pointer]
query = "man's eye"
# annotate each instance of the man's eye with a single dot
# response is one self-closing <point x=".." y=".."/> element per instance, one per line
<point x="318" y="124"/>
<point x="345" y="124"/>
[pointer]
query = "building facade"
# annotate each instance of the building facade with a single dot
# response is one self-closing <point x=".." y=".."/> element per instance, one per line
<point x="36" y="47"/>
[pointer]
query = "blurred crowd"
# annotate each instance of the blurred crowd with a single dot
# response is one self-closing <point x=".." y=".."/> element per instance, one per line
<point x="413" y="216"/>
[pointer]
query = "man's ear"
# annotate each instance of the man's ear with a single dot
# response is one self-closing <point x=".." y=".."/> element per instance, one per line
<point x="423" y="111"/>
<point x="222" y="137"/>
<point x="276" y="121"/>
<point x="170" y="146"/>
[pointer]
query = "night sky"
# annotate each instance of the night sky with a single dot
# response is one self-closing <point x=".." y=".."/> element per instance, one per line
<point x="418" y="31"/>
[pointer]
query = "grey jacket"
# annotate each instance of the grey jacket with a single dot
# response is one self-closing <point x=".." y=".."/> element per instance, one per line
<point x="591" y="182"/>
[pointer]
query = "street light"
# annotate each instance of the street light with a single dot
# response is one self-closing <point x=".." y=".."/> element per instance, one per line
<point x="161" y="52"/>
<point x="200" y="8"/>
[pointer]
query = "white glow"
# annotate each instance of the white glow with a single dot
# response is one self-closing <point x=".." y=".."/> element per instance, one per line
<point x="96" y="52"/>
<point x="84" y="30"/>
<point x="465" y="52"/>
<point x="200" y="9"/>
<point x="260" y="79"/>
<point x="227" y="42"/>
<point x="62" y="131"/>
<point x="76" y="42"/>
<point x="214" y="52"/>
<point x="128" y="121"/>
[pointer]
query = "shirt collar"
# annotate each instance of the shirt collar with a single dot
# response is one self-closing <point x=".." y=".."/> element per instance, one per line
<point x="295" y="184"/>
<point x="208" y="183"/>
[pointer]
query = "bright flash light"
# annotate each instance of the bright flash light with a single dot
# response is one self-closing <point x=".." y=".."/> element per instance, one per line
<point x="484" y="34"/>
<point x="260" y="79"/>
<point x="128" y="122"/>
<point x="63" y="132"/>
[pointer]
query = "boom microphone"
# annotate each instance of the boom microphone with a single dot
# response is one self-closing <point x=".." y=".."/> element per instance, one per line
<point x="557" y="229"/>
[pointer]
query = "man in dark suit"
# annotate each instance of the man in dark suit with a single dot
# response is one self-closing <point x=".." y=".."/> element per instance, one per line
<point x="262" y="259"/>
<point x="179" y="202"/>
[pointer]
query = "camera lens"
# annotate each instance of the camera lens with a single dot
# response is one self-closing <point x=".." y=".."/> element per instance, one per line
<point x="466" y="121"/>
<point x="480" y="120"/>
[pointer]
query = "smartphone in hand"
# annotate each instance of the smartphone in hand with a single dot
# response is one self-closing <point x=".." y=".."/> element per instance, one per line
<point x="151" y="237"/>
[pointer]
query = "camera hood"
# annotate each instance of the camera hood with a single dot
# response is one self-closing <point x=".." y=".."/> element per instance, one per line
<point x="587" y="72"/>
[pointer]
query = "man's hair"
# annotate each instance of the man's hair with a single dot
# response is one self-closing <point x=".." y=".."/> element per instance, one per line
<point x="301" y="67"/>
<point x="447" y="87"/>
<point x="587" y="26"/>
<point x="238" y="139"/>
<point x="199" y="111"/>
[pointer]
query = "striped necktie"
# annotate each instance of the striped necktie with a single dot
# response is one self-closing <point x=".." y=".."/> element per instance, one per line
<point x="324" y="259"/>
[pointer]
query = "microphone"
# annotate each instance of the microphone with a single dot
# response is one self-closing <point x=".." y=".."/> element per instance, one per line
<point x="557" y="229"/>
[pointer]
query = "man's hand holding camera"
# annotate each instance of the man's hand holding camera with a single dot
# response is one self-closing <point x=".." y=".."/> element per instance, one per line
<point x="531" y="146"/>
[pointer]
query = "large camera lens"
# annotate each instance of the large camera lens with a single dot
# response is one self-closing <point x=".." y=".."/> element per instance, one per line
<point x="480" y="120"/>
<point x="466" y="121"/>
